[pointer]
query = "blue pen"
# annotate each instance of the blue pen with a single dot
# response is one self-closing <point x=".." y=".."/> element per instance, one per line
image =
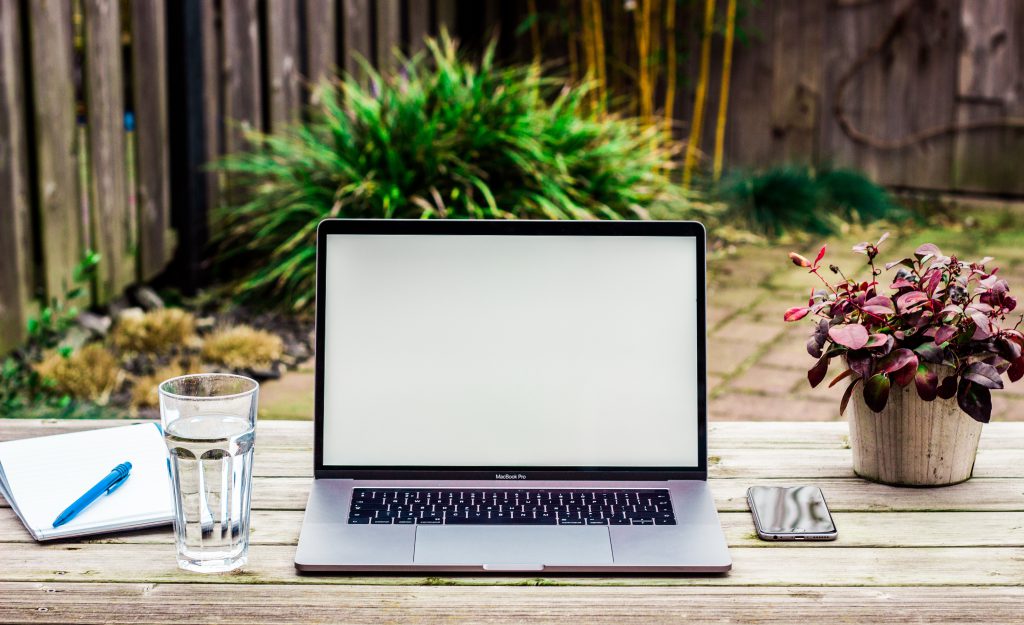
<point x="118" y="476"/>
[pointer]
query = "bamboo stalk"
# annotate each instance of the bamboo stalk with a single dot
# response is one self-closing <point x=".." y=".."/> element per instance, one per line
<point x="670" y="63"/>
<point x="723" y="99"/>
<point x="643" y="40"/>
<point x="702" y="87"/>
<point x="602" y="73"/>
<point x="534" y="31"/>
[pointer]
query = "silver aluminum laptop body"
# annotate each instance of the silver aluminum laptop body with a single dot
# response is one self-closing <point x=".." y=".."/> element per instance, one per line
<point x="519" y="357"/>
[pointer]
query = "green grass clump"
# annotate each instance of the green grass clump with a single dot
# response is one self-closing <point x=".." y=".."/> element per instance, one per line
<point x="799" y="199"/>
<point x="443" y="138"/>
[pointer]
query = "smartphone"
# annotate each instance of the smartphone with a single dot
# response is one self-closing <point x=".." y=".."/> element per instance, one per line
<point x="790" y="513"/>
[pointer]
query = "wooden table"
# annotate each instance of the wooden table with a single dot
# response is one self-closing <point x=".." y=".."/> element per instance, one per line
<point x="903" y="555"/>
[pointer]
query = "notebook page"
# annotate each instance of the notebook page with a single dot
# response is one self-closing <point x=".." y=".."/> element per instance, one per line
<point x="46" y="474"/>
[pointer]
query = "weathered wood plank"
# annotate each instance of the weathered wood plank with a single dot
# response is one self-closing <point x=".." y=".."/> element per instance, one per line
<point x="797" y="47"/>
<point x="241" y="69"/>
<point x="149" y="81"/>
<point x="417" y="14"/>
<point x="989" y="88"/>
<point x="60" y="222"/>
<point x="16" y="264"/>
<point x="321" y="44"/>
<point x="284" y="96"/>
<point x="844" y="495"/>
<point x="856" y="529"/>
<point x="726" y="435"/>
<point x="113" y="233"/>
<point x="907" y="87"/>
<point x="212" y="101"/>
<point x="44" y="602"/>
<point x="355" y="35"/>
<point x="388" y="19"/>
<point x="752" y="566"/>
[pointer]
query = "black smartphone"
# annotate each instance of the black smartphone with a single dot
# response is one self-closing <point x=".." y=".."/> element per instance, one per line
<point x="790" y="513"/>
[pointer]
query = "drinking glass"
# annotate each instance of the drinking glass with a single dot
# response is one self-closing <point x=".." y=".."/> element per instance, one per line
<point x="209" y="423"/>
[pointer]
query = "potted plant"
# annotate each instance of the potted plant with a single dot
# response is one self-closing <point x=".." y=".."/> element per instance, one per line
<point x="921" y="354"/>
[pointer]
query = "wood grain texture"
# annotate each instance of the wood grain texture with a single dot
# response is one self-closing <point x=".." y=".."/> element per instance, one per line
<point x="149" y="81"/>
<point x="388" y="21"/>
<point x="241" y="69"/>
<point x="858" y="529"/>
<point x="356" y="29"/>
<point x="913" y="442"/>
<point x="284" y="96"/>
<point x="725" y="435"/>
<point x="417" y="14"/>
<point x="990" y="87"/>
<point x="60" y="220"/>
<point x="17" y="273"/>
<point x="113" y="226"/>
<point x="41" y="602"/>
<point x="321" y="44"/>
<point x="920" y="555"/>
<point x="908" y="86"/>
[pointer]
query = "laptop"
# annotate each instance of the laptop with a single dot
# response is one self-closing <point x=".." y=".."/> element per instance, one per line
<point x="510" y="396"/>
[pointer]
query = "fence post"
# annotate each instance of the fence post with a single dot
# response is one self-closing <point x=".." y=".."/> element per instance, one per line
<point x="321" y="44"/>
<point x="61" y="232"/>
<point x="16" y="277"/>
<point x="149" y="81"/>
<point x="113" y="228"/>
<point x="356" y="35"/>
<point x="282" y="44"/>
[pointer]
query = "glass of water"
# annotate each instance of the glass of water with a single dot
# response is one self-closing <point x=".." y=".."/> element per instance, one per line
<point x="209" y="423"/>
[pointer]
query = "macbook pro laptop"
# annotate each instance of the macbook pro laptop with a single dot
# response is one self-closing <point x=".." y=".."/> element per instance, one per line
<point x="510" y="396"/>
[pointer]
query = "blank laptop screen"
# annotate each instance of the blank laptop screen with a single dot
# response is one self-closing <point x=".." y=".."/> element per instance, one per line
<point x="510" y="351"/>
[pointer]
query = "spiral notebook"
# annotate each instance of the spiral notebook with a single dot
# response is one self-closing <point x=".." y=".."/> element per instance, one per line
<point x="40" y="477"/>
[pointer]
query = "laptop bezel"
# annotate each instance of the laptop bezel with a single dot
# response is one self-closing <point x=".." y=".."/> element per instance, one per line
<point x="425" y="227"/>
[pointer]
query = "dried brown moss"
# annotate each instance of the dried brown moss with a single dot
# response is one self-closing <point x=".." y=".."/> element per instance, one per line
<point x="154" y="331"/>
<point x="90" y="373"/>
<point x="145" y="392"/>
<point x="242" y="347"/>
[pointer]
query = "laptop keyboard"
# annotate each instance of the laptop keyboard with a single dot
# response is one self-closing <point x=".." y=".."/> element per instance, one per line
<point x="463" y="506"/>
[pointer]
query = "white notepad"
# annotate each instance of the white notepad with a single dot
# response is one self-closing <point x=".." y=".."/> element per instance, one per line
<point x="40" y="477"/>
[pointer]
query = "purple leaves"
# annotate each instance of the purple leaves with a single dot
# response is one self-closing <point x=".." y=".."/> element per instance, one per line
<point x="796" y="313"/>
<point x="818" y="371"/>
<point x="852" y="336"/>
<point x="876" y="392"/>
<point x="941" y="324"/>
<point x="927" y="383"/>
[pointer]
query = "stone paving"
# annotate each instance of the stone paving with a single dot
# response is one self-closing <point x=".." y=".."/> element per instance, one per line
<point x="757" y="364"/>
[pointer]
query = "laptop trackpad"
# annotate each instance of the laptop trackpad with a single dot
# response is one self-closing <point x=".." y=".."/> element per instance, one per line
<point x="524" y="548"/>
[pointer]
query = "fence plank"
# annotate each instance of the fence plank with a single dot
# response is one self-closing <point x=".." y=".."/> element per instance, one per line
<point x="389" y="33"/>
<point x="446" y="16"/>
<point x="16" y="269"/>
<point x="212" y="99"/>
<point x="418" y="19"/>
<point x="60" y="221"/>
<point x="321" y="44"/>
<point x="284" y="101"/>
<point x="149" y="62"/>
<point x="108" y="200"/>
<point x="243" y="106"/>
<point x="908" y="86"/>
<point x="797" y="79"/>
<point x="356" y="35"/>
<point x="990" y="88"/>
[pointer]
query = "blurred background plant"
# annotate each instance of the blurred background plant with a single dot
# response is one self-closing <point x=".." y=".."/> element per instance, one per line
<point x="443" y="138"/>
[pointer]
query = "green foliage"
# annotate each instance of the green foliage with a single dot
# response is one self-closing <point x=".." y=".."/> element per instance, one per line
<point x="788" y="199"/>
<point x="443" y="138"/>
<point x="20" y="384"/>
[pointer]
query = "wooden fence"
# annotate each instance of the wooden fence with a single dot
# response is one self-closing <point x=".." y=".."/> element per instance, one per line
<point x="67" y="186"/>
<point x="110" y="111"/>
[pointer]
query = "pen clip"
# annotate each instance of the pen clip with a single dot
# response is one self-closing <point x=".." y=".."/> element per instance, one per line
<point x="120" y="480"/>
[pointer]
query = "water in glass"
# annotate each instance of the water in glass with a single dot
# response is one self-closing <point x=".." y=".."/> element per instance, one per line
<point x="211" y="463"/>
